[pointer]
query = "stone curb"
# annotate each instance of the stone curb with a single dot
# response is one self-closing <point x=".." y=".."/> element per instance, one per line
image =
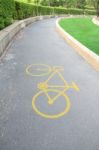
<point x="95" y="21"/>
<point x="87" y="54"/>
<point x="8" y="33"/>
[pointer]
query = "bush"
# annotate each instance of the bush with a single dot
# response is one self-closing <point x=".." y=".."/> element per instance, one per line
<point x="90" y="12"/>
<point x="20" y="10"/>
<point x="45" y="10"/>
<point x="89" y="8"/>
<point x="75" y="11"/>
<point x="7" y="21"/>
<point x="7" y="8"/>
<point x="2" y="25"/>
<point x="7" y="12"/>
<point x="58" y="10"/>
<point x="25" y="10"/>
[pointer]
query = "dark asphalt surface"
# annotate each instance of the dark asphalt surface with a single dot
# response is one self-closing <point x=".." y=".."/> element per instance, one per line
<point x="20" y="127"/>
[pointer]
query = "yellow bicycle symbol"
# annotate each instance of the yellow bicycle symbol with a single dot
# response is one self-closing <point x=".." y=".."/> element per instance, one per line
<point x="46" y="88"/>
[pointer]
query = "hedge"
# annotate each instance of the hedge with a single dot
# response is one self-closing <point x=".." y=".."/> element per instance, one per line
<point x="73" y="11"/>
<point x="7" y="10"/>
<point x="89" y="7"/>
<point x="20" y="10"/>
<point x="90" y="12"/>
<point x="25" y="10"/>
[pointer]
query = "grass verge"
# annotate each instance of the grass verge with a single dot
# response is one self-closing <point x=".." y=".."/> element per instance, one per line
<point x="84" y="30"/>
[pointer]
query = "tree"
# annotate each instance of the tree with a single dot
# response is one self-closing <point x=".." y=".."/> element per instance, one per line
<point x="81" y="3"/>
<point x="36" y="1"/>
<point x="29" y="1"/>
<point x="64" y="3"/>
<point x="71" y="3"/>
<point x="89" y="2"/>
<point x="53" y="2"/>
<point x="96" y="5"/>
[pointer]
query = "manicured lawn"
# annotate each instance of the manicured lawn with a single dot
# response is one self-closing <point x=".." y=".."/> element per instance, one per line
<point x="84" y="31"/>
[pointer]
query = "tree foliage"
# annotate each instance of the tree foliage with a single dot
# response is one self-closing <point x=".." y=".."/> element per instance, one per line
<point x="96" y="5"/>
<point x="64" y="3"/>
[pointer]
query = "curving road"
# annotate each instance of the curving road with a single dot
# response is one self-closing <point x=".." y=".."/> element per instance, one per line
<point x="21" y="128"/>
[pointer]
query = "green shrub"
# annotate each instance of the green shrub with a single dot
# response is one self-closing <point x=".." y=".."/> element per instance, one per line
<point x="7" y="8"/>
<point x="2" y="25"/>
<point x="58" y="10"/>
<point x="89" y="8"/>
<point x="20" y="10"/>
<point x="7" y="21"/>
<point x="45" y="10"/>
<point x="75" y="11"/>
<point x="25" y="10"/>
<point x="7" y="12"/>
<point x="90" y="12"/>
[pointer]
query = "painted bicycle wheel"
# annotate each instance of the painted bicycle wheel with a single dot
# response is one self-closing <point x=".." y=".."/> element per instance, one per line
<point x="38" y="97"/>
<point x="38" y="70"/>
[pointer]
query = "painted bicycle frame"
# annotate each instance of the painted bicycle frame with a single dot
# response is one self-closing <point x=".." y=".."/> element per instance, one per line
<point x="45" y="88"/>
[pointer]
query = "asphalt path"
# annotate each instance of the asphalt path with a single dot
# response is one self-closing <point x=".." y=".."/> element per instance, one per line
<point x="21" y="127"/>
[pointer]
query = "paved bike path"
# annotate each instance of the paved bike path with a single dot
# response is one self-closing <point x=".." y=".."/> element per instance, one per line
<point x="20" y="127"/>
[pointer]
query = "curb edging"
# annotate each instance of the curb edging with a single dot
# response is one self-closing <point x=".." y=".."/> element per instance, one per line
<point x="86" y="53"/>
<point x="95" y="21"/>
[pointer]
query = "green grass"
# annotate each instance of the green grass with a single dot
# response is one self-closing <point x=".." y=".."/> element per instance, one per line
<point x="26" y="1"/>
<point x="84" y="30"/>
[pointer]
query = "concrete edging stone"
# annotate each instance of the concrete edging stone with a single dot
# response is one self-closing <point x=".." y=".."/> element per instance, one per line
<point x="86" y="53"/>
<point x="96" y="21"/>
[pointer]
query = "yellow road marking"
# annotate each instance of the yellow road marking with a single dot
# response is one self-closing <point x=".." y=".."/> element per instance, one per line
<point x="45" y="88"/>
<point x="46" y="70"/>
<point x="65" y="111"/>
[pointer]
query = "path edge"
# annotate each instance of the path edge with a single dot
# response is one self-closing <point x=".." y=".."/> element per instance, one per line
<point x="86" y="53"/>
